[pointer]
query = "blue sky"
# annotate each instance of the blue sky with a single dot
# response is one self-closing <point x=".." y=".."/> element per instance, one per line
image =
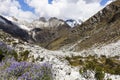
<point x="25" y="7"/>
<point x="49" y="1"/>
<point x="103" y="2"/>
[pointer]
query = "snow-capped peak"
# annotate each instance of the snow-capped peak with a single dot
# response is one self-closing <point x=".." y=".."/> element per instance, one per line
<point x="73" y="23"/>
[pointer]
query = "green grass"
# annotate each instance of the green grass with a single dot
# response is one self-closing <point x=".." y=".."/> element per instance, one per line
<point x="100" y="65"/>
<point x="23" y="56"/>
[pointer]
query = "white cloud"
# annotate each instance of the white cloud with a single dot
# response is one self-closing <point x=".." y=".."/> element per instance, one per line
<point x="91" y="1"/>
<point x="109" y="2"/>
<point x="64" y="9"/>
<point x="13" y="8"/>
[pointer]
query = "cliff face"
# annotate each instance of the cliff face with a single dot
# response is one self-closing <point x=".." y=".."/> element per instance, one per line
<point x="102" y="28"/>
<point x="13" y="29"/>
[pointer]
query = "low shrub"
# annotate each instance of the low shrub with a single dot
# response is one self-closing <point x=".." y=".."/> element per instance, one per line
<point x="14" y="66"/>
<point x="13" y="70"/>
<point x="100" y="65"/>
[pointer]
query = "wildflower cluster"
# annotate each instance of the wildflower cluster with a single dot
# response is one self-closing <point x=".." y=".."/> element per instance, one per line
<point x="6" y="51"/>
<point x="5" y="48"/>
<point x="11" y="69"/>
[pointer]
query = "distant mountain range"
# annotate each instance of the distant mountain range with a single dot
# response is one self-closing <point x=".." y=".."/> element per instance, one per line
<point x="102" y="28"/>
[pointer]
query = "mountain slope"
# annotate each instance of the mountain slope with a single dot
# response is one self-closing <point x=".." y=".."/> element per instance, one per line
<point x="102" y="28"/>
<point x="39" y="32"/>
<point x="67" y="65"/>
<point x="97" y="40"/>
<point x="13" y="29"/>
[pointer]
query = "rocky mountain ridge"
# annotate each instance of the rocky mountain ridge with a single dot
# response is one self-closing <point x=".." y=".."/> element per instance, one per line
<point x="37" y="31"/>
<point x="100" y="29"/>
<point x="90" y="51"/>
<point x="54" y="34"/>
<point x="62" y="68"/>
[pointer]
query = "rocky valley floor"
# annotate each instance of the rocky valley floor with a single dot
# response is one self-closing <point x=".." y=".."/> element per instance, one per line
<point x="68" y="65"/>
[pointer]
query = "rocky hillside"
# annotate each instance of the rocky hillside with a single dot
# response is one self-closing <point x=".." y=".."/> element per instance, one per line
<point x="90" y="51"/>
<point x="92" y="64"/>
<point x="49" y="31"/>
<point x="101" y="29"/>
<point x="53" y="34"/>
<point x="41" y="32"/>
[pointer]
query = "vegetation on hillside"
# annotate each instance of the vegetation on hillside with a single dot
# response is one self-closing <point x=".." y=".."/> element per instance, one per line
<point x="100" y="65"/>
<point x="14" y="66"/>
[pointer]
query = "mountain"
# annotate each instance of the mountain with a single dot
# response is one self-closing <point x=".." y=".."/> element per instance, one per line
<point x="13" y="29"/>
<point x="53" y="34"/>
<point x="40" y="31"/>
<point x="102" y="28"/>
<point x="73" y="23"/>
<point x="44" y="32"/>
<point x="53" y="50"/>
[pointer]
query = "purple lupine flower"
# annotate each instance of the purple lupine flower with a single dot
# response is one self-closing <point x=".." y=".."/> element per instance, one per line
<point x="25" y="70"/>
<point x="2" y="64"/>
<point x="17" y="68"/>
<point x="25" y="76"/>
<point x="37" y="72"/>
<point x="10" y="68"/>
<point x="5" y="47"/>
<point x="1" y="43"/>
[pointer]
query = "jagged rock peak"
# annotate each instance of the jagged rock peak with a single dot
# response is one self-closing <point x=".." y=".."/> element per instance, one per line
<point x="43" y="19"/>
<point x="106" y="13"/>
<point x="53" y="18"/>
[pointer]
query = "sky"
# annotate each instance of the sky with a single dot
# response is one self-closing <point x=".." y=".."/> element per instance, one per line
<point x="64" y="9"/>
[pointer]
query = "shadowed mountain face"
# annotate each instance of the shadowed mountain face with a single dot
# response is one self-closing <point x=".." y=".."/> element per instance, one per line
<point x="13" y="29"/>
<point x="102" y="28"/>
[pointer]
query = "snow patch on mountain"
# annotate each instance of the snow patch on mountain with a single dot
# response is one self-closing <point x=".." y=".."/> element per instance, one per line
<point x="24" y="27"/>
<point x="73" y="23"/>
